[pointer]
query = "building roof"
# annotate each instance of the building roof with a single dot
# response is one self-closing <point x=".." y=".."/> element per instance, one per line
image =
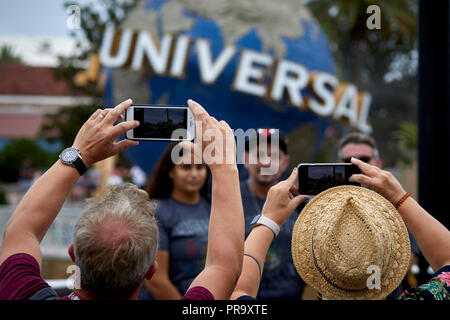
<point x="19" y="79"/>
<point x="20" y="125"/>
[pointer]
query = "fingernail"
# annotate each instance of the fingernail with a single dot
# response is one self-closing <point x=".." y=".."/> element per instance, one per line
<point x="138" y="123"/>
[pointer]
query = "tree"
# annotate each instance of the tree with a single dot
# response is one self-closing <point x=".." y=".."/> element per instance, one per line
<point x="381" y="61"/>
<point x="7" y="55"/>
<point x="359" y="50"/>
<point x="18" y="151"/>
<point x="65" y="124"/>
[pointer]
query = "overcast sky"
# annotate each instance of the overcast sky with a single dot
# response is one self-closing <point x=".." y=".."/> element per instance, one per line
<point x="33" y="18"/>
<point x="26" y="24"/>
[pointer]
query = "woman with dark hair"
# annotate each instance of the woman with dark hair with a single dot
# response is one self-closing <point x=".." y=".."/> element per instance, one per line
<point x="183" y="207"/>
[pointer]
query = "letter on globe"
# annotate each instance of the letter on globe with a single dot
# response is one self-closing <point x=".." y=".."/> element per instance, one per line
<point x="210" y="70"/>
<point x="249" y="78"/>
<point x="179" y="60"/>
<point x="147" y="45"/>
<point x="364" y="100"/>
<point x="323" y="106"/>
<point x="347" y="104"/>
<point x="122" y="54"/>
<point x="290" y="76"/>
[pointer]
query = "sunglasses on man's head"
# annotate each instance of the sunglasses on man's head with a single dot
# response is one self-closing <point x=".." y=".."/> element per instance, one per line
<point x="365" y="159"/>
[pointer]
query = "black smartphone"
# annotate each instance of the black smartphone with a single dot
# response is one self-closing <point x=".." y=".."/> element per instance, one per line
<point x="313" y="178"/>
<point x="161" y="123"/>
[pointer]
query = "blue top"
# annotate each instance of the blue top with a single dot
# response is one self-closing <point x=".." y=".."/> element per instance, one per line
<point x="183" y="232"/>
<point x="280" y="279"/>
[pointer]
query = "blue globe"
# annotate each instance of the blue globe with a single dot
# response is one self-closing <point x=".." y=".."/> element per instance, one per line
<point x="286" y="31"/>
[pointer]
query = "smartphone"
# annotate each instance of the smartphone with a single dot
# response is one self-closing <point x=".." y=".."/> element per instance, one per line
<point x="313" y="178"/>
<point x="161" y="123"/>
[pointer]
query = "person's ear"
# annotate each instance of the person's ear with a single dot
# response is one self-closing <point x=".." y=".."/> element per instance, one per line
<point x="71" y="252"/>
<point x="170" y="173"/>
<point x="151" y="271"/>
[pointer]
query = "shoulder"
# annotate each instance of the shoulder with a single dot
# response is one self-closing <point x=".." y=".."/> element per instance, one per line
<point x="20" y="277"/>
<point x="438" y="288"/>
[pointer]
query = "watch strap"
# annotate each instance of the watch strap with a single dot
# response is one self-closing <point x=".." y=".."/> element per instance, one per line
<point x="272" y="225"/>
<point x="80" y="166"/>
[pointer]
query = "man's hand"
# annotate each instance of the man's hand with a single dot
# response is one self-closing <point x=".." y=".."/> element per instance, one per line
<point x="380" y="181"/>
<point x="40" y="205"/>
<point x="96" y="139"/>
<point x="279" y="205"/>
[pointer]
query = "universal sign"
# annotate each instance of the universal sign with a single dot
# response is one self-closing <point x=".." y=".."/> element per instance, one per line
<point x="168" y="56"/>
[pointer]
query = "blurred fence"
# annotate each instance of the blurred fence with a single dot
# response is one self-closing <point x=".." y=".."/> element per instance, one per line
<point x="59" y="236"/>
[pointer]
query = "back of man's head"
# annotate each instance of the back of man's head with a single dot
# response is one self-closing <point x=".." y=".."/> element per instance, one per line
<point x="116" y="241"/>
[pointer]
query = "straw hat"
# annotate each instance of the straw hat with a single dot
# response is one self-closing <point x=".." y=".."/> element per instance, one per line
<point x="351" y="243"/>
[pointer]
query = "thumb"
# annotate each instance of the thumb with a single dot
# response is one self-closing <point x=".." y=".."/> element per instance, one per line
<point x="292" y="177"/>
<point x="296" y="201"/>
<point x="123" y="145"/>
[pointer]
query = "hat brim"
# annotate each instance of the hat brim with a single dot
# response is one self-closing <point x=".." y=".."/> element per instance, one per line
<point x="313" y="214"/>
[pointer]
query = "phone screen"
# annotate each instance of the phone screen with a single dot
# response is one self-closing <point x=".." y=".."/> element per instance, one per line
<point x="159" y="123"/>
<point x="315" y="178"/>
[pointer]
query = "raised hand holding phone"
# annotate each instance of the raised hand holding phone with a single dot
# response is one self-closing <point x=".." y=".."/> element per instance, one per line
<point x="161" y="123"/>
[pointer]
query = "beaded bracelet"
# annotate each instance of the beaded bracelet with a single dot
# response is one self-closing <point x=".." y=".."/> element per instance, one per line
<point x="400" y="202"/>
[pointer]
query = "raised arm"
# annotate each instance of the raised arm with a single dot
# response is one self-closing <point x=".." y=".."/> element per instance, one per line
<point x="43" y="201"/>
<point x="432" y="237"/>
<point x="278" y="207"/>
<point x="226" y="227"/>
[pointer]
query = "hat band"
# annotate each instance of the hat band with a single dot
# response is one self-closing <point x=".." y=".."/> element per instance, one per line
<point x="323" y="274"/>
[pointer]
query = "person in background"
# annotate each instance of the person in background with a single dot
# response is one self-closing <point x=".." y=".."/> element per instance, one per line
<point x="183" y="207"/>
<point x="433" y="239"/>
<point x="364" y="147"/>
<point x="116" y="239"/>
<point x="279" y="206"/>
<point x="279" y="278"/>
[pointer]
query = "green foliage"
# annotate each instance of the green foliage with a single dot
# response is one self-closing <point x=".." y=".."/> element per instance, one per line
<point x="408" y="135"/>
<point x="356" y="48"/>
<point x="16" y="152"/>
<point x="95" y="18"/>
<point x="65" y="124"/>
<point x="7" y="54"/>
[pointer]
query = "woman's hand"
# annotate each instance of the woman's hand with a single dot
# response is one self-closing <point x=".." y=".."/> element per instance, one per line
<point x="380" y="181"/>
<point x="279" y="205"/>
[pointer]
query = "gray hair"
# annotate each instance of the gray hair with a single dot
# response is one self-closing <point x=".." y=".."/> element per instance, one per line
<point x="116" y="241"/>
<point x="358" y="138"/>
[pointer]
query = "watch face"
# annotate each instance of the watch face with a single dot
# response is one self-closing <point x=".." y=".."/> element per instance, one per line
<point x="69" y="155"/>
<point x="255" y="219"/>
